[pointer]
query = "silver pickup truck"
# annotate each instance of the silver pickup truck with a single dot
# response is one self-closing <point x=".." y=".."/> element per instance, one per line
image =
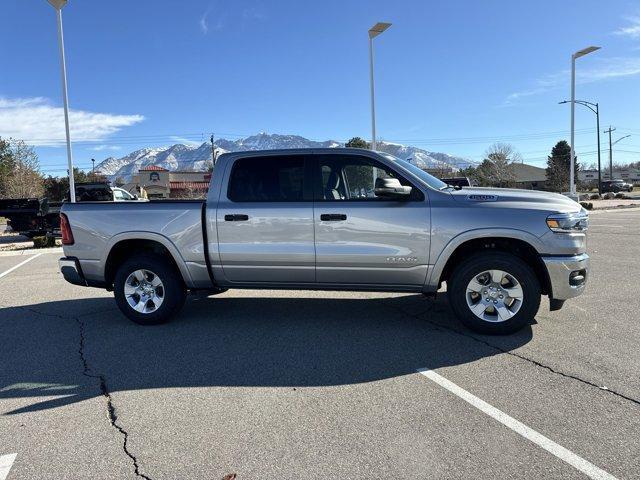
<point x="333" y="219"/>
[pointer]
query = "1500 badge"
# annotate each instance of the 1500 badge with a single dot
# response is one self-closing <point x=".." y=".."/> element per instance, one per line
<point x="482" y="198"/>
<point x="402" y="259"/>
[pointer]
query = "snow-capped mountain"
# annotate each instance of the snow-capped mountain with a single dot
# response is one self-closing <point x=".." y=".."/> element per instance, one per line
<point x="183" y="157"/>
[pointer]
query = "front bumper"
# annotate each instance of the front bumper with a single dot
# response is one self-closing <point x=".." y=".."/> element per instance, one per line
<point x="567" y="275"/>
<point x="71" y="271"/>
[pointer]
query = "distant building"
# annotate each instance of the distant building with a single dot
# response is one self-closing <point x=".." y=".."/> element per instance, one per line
<point x="529" y="177"/>
<point x="631" y="175"/>
<point x="159" y="182"/>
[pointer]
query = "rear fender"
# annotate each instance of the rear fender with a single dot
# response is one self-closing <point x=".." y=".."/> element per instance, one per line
<point x="155" y="237"/>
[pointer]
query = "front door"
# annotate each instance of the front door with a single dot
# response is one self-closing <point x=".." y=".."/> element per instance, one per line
<point x="364" y="239"/>
<point x="265" y="221"/>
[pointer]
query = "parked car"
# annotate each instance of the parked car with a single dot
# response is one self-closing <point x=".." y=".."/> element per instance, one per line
<point x="288" y="219"/>
<point x="616" y="186"/>
<point x="103" y="192"/>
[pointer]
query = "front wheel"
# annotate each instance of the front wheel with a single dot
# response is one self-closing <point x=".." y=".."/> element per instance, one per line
<point x="494" y="292"/>
<point x="148" y="289"/>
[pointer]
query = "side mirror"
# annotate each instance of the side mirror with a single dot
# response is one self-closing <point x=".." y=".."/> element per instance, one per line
<point x="391" y="188"/>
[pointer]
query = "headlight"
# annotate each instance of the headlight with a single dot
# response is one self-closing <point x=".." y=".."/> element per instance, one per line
<point x="569" y="222"/>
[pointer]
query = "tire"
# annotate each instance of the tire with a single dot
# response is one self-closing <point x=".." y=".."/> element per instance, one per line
<point x="160" y="301"/>
<point x="512" y="313"/>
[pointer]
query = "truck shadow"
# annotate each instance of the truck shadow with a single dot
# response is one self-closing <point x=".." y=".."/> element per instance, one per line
<point x="228" y="341"/>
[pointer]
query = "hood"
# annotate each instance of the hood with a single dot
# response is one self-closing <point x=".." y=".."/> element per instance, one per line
<point x="516" y="198"/>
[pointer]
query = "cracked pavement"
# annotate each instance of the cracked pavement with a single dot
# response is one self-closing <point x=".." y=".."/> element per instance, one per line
<point x="280" y="384"/>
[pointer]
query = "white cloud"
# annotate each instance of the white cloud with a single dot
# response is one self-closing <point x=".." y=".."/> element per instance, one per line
<point x="101" y="148"/>
<point x="185" y="141"/>
<point x="204" y="22"/>
<point x="606" y="69"/>
<point x="632" y="30"/>
<point x="36" y="121"/>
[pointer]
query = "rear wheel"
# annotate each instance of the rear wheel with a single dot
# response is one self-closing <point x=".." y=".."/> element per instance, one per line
<point x="494" y="293"/>
<point x="148" y="289"/>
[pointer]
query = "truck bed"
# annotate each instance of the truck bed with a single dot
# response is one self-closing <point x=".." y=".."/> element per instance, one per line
<point x="98" y="226"/>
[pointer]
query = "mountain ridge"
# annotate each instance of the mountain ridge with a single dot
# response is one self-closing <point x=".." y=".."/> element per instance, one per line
<point x="197" y="158"/>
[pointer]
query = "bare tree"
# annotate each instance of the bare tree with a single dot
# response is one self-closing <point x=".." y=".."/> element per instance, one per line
<point x="496" y="169"/>
<point x="25" y="180"/>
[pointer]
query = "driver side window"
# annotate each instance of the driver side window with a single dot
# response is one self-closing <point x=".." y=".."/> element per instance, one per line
<point x="352" y="177"/>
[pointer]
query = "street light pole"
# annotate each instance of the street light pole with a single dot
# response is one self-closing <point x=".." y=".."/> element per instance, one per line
<point x="609" y="131"/>
<point x="58" y="5"/>
<point x="595" y="110"/>
<point x="572" y="186"/>
<point x="374" y="31"/>
<point x="578" y="54"/>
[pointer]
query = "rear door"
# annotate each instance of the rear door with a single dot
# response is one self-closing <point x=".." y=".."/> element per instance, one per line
<point x="265" y="220"/>
<point x="362" y="239"/>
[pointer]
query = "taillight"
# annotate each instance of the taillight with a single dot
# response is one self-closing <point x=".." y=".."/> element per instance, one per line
<point x="65" y="230"/>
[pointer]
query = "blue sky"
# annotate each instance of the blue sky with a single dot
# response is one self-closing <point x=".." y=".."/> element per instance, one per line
<point x="450" y="76"/>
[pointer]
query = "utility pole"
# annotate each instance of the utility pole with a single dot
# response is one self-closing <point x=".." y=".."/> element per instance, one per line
<point x="93" y="168"/>
<point x="610" y="131"/>
<point x="213" y="152"/>
<point x="598" y="137"/>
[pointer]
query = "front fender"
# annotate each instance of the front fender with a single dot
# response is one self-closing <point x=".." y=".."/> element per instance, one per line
<point x="433" y="278"/>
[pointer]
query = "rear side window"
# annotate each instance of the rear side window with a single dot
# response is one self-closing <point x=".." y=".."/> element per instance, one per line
<point x="268" y="179"/>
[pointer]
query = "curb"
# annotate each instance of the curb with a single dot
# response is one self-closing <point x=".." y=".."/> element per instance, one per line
<point x="615" y="208"/>
<point x="30" y="251"/>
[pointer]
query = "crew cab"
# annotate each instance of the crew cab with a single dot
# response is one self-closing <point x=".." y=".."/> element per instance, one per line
<point x="333" y="219"/>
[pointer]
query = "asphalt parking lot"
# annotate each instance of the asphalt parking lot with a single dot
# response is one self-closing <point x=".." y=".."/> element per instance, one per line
<point x="281" y="384"/>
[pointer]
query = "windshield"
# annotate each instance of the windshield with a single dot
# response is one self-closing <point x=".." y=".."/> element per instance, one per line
<point x="430" y="180"/>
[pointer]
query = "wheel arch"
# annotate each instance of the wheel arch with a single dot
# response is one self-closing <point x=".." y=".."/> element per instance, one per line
<point x="516" y="242"/>
<point x="123" y="246"/>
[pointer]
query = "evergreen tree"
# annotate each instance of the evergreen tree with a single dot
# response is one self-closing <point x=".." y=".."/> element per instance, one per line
<point x="357" y="142"/>
<point x="57" y="188"/>
<point x="558" y="167"/>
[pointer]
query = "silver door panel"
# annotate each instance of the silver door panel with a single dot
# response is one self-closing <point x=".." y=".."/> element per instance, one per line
<point x="275" y="244"/>
<point x="379" y="242"/>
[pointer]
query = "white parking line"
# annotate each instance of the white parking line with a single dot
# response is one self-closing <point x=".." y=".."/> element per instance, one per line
<point x="6" y="461"/>
<point x="550" y="446"/>
<point x="7" y="272"/>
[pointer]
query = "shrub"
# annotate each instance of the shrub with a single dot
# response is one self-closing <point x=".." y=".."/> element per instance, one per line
<point x="608" y="196"/>
<point x="587" y="205"/>
<point x="44" y="241"/>
<point x="595" y="196"/>
<point x="620" y="195"/>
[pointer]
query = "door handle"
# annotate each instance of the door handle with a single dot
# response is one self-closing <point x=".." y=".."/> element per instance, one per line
<point x="333" y="217"/>
<point x="236" y="217"/>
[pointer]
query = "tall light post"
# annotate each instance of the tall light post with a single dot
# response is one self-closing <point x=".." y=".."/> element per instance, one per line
<point x="578" y="54"/>
<point x="609" y="131"/>
<point x="595" y="110"/>
<point x="59" y="5"/>
<point x="374" y="31"/>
